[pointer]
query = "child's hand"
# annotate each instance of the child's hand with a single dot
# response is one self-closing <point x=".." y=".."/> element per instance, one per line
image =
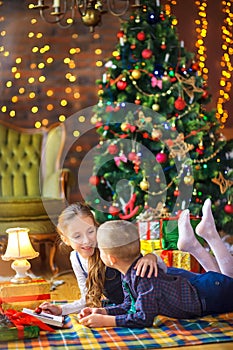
<point x="90" y="311"/>
<point x="50" y="308"/>
<point x="149" y="260"/>
<point x="84" y="312"/>
<point x="92" y="320"/>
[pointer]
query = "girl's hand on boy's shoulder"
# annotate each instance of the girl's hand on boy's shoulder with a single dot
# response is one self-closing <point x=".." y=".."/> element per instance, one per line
<point x="149" y="260"/>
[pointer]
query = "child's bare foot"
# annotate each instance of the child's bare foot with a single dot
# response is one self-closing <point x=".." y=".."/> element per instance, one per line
<point x="206" y="227"/>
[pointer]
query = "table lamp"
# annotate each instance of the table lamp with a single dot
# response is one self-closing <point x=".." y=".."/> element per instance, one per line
<point x="19" y="249"/>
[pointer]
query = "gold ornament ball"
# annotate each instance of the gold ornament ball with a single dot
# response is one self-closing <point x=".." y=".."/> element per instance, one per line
<point x="188" y="180"/>
<point x="124" y="126"/>
<point x="155" y="107"/>
<point x="144" y="185"/>
<point x="91" y="18"/>
<point x="156" y="134"/>
<point x="165" y="78"/>
<point x="136" y="74"/>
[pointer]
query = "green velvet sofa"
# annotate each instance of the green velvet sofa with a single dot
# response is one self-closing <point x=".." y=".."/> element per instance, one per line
<point x="34" y="187"/>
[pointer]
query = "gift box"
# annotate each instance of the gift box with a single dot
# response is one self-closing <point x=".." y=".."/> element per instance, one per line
<point x="148" y="246"/>
<point x="169" y="231"/>
<point x="28" y="295"/>
<point x="12" y="328"/>
<point x="177" y="258"/>
<point x="149" y="233"/>
<point x="16" y="325"/>
<point x="162" y="233"/>
<point x="14" y="333"/>
<point x="149" y="230"/>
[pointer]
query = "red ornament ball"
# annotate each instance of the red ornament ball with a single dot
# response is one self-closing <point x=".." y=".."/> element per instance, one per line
<point x="205" y="94"/>
<point x="147" y="54"/>
<point x="141" y="36"/>
<point x="200" y="150"/>
<point x="113" y="210"/>
<point x="121" y="85"/>
<point x="173" y="79"/>
<point x="228" y="208"/>
<point x="180" y="103"/>
<point x="113" y="149"/>
<point x="195" y="66"/>
<point x="120" y="34"/>
<point x="109" y="109"/>
<point x="176" y="193"/>
<point x="132" y="156"/>
<point x="94" y="180"/>
<point x="98" y="125"/>
<point x="161" y="157"/>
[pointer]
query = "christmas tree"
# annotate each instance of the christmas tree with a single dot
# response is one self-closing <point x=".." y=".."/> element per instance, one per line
<point x="160" y="151"/>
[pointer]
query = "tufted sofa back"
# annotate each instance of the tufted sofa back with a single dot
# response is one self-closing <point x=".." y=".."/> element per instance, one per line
<point x="30" y="161"/>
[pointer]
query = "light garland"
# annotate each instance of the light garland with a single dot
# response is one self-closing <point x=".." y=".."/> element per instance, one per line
<point x="167" y="7"/>
<point x="201" y="29"/>
<point x="173" y="181"/>
<point x="225" y="83"/>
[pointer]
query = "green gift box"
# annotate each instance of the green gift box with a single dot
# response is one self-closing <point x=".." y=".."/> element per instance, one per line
<point x="13" y="333"/>
<point x="9" y="331"/>
<point x="169" y="231"/>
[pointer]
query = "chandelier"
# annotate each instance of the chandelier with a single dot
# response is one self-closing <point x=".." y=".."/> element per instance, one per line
<point x="63" y="12"/>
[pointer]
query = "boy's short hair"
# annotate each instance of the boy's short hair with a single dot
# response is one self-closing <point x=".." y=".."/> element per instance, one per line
<point x="116" y="233"/>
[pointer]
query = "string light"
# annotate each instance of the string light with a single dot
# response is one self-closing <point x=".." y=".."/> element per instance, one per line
<point x="226" y="65"/>
<point x="201" y="29"/>
<point x="37" y="80"/>
<point x="167" y="7"/>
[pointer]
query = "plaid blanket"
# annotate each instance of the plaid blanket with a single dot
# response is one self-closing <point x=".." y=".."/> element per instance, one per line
<point x="167" y="332"/>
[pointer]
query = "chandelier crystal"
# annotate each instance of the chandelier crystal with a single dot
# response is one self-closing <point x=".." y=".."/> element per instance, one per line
<point x="64" y="12"/>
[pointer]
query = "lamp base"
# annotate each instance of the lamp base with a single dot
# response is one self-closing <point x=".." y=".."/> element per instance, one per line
<point x="21" y="267"/>
<point x="21" y="280"/>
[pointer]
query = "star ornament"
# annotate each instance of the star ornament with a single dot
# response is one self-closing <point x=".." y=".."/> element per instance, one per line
<point x="223" y="183"/>
<point x="178" y="148"/>
<point x="189" y="86"/>
<point x="142" y="120"/>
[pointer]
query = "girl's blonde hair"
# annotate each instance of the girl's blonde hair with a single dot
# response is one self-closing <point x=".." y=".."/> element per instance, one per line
<point x="96" y="274"/>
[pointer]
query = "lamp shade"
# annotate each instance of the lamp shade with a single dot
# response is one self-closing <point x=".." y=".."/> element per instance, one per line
<point x="19" y="245"/>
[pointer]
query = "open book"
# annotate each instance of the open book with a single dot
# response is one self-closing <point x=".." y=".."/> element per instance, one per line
<point x="46" y="318"/>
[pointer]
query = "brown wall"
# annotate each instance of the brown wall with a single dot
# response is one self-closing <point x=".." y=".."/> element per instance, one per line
<point x="16" y="28"/>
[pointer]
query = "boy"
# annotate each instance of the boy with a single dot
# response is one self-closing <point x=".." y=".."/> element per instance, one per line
<point x="167" y="294"/>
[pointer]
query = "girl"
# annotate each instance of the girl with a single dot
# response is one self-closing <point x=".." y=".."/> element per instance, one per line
<point x="77" y="229"/>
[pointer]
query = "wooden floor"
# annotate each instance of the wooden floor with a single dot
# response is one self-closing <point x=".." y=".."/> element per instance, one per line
<point x="69" y="291"/>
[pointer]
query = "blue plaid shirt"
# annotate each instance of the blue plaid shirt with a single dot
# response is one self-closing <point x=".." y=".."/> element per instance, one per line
<point x="167" y="295"/>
